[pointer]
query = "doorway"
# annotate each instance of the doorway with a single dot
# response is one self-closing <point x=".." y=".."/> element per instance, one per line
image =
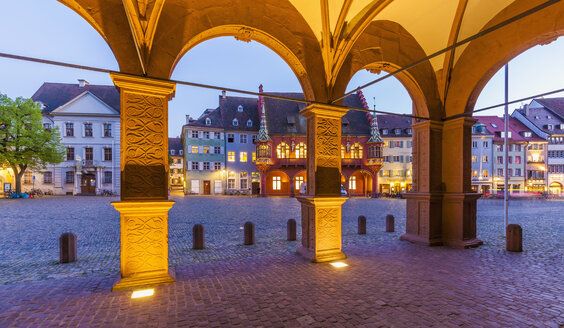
<point x="207" y="187"/>
<point x="88" y="184"/>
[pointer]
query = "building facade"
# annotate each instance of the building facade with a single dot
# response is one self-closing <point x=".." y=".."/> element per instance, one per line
<point x="241" y="123"/>
<point x="204" y="154"/>
<point x="482" y="158"/>
<point x="396" y="172"/>
<point x="88" y="117"/>
<point x="545" y="164"/>
<point x="176" y="169"/>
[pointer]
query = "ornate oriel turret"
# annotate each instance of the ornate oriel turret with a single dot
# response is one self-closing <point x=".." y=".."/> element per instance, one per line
<point x="263" y="146"/>
<point x="374" y="158"/>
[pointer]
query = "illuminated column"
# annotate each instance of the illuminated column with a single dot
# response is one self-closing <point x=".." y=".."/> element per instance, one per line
<point x="459" y="202"/>
<point x="321" y="208"/>
<point x="424" y="202"/>
<point x="144" y="201"/>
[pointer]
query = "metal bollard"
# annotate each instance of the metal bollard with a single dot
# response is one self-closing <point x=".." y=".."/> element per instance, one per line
<point x="249" y="233"/>
<point x="291" y="225"/>
<point x="198" y="236"/>
<point x="67" y="247"/>
<point x="514" y="238"/>
<point x="362" y="225"/>
<point x="389" y="223"/>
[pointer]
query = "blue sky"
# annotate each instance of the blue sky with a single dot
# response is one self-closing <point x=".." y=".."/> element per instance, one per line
<point x="47" y="29"/>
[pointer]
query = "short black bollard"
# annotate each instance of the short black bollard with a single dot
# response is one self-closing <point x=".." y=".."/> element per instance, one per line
<point x="67" y="247"/>
<point x="198" y="236"/>
<point x="362" y="225"/>
<point x="249" y="233"/>
<point x="389" y="223"/>
<point x="514" y="238"/>
<point x="291" y="225"/>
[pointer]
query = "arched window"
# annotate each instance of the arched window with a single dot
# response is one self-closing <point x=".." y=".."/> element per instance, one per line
<point x="301" y="150"/>
<point x="208" y="121"/>
<point x="356" y="150"/>
<point x="235" y="122"/>
<point x="249" y="123"/>
<point x="263" y="151"/>
<point x="343" y="151"/>
<point x="240" y="108"/>
<point x="283" y="150"/>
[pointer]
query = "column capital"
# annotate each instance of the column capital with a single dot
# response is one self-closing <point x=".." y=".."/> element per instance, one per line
<point x="464" y="121"/>
<point x="324" y="111"/>
<point x="144" y="85"/>
<point x="431" y="124"/>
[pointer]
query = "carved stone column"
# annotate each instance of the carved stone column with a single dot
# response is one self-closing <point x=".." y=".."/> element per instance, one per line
<point x="321" y="208"/>
<point x="459" y="202"/>
<point x="424" y="202"/>
<point x="144" y="201"/>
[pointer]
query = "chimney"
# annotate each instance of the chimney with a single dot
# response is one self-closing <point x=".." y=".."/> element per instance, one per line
<point x="82" y="83"/>
<point x="223" y="94"/>
<point x="527" y="110"/>
<point x="188" y="119"/>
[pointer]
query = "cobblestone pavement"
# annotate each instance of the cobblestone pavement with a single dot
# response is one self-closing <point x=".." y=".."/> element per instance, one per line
<point x="388" y="283"/>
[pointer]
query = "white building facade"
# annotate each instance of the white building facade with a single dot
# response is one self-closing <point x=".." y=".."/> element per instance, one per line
<point x="89" y="123"/>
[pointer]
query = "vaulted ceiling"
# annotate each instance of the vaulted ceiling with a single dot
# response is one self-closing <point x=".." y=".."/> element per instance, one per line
<point x="326" y="41"/>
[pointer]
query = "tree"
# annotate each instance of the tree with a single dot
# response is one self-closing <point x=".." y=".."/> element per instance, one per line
<point x="24" y="142"/>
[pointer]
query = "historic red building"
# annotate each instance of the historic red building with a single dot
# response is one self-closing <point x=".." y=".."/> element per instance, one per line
<point x="282" y="148"/>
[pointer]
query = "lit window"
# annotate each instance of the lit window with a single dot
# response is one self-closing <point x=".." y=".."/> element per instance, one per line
<point x="206" y="149"/>
<point x="254" y="156"/>
<point x="283" y="150"/>
<point x="231" y="156"/>
<point x="243" y="157"/>
<point x="474" y="158"/>
<point x="485" y="158"/>
<point x="356" y="150"/>
<point x="194" y="149"/>
<point x="352" y="183"/>
<point x="485" y="173"/>
<point x="299" y="180"/>
<point x="301" y="150"/>
<point x="276" y="183"/>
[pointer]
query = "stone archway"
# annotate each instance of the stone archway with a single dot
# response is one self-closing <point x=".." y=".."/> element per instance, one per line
<point x="278" y="183"/>
<point x="555" y="188"/>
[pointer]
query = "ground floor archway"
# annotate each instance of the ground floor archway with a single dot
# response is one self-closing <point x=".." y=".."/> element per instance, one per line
<point x="555" y="188"/>
<point x="278" y="183"/>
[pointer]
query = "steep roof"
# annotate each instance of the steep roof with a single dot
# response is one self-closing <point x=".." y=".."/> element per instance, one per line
<point x="213" y="114"/>
<point x="229" y="107"/>
<point x="392" y="122"/>
<point x="496" y="125"/>
<point x="541" y="117"/>
<point x="554" y="104"/>
<point x="284" y="116"/>
<point x="176" y="144"/>
<point x="54" y="95"/>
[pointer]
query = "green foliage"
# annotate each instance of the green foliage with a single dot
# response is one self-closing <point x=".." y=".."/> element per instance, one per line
<point x="24" y="142"/>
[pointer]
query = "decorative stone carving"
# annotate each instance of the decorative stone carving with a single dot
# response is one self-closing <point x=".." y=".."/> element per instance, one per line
<point x="244" y="34"/>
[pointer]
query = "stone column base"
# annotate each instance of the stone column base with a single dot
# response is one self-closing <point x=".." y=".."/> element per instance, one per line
<point x="144" y="243"/>
<point x="423" y="219"/>
<point x="459" y="220"/>
<point x="321" y="228"/>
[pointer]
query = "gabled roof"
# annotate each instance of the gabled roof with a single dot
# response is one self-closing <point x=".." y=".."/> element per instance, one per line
<point x="176" y="144"/>
<point x="284" y="116"/>
<point x="54" y="95"/>
<point x="215" y="119"/>
<point x="392" y="122"/>
<point x="229" y="111"/>
<point x="496" y="125"/>
<point x="554" y="104"/>
<point x="541" y="117"/>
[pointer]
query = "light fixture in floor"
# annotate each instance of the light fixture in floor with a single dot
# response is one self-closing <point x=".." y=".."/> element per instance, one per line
<point x="339" y="264"/>
<point x="142" y="293"/>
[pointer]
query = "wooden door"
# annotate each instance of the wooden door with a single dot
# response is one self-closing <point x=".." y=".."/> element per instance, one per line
<point x="88" y="184"/>
<point x="207" y="187"/>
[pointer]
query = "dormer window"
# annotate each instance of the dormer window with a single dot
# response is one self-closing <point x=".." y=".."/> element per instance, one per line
<point x="397" y="131"/>
<point x="249" y="123"/>
<point x="550" y="127"/>
<point x="235" y="122"/>
<point x="537" y="117"/>
<point x="527" y="134"/>
<point x="208" y="121"/>
<point x="240" y="108"/>
<point x="409" y="131"/>
<point x="549" y="117"/>
<point x="561" y="126"/>
<point x="384" y="131"/>
<point x="172" y="151"/>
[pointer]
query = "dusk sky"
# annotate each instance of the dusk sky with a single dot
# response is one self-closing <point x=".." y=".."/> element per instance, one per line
<point x="49" y="30"/>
